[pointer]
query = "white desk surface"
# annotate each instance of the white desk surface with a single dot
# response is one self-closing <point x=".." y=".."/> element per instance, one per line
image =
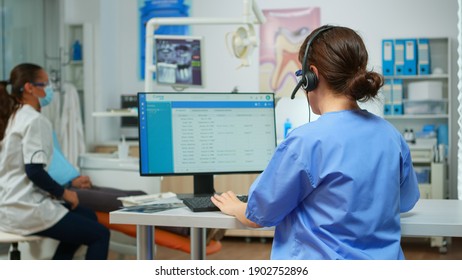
<point x="182" y="217"/>
<point x="433" y="217"/>
<point x="430" y="217"/>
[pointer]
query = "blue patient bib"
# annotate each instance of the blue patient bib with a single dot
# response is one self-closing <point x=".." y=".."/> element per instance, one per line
<point x="60" y="169"/>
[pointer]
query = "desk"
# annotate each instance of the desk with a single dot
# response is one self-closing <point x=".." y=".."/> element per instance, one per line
<point x="430" y="217"/>
<point x="433" y="217"/>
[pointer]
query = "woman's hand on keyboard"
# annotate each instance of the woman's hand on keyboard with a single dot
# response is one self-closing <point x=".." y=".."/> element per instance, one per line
<point x="229" y="204"/>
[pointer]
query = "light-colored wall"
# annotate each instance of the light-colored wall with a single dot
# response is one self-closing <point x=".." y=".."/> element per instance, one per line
<point x="116" y="43"/>
<point x="116" y="36"/>
<point x="374" y="20"/>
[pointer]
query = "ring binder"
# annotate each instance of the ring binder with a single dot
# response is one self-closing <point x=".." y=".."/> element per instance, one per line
<point x="424" y="57"/>
<point x="410" y="57"/>
<point x="399" y="57"/>
<point x="388" y="62"/>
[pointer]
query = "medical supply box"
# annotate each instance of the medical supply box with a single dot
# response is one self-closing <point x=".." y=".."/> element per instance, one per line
<point x="418" y="107"/>
<point x="425" y="90"/>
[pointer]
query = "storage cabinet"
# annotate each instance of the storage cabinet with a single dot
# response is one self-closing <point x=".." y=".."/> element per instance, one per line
<point x="75" y="56"/>
<point x="424" y="105"/>
<point x="79" y="71"/>
<point x="421" y="103"/>
<point x="432" y="176"/>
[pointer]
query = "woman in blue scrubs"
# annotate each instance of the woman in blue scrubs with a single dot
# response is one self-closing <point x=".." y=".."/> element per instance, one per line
<point x="335" y="187"/>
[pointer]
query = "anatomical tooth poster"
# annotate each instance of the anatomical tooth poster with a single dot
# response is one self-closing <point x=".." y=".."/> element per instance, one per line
<point x="280" y="39"/>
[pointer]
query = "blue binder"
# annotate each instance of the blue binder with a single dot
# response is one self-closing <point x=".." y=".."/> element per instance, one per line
<point x="388" y="57"/>
<point x="424" y="64"/>
<point x="410" y="57"/>
<point x="388" y="98"/>
<point x="397" y="94"/>
<point x="399" y="57"/>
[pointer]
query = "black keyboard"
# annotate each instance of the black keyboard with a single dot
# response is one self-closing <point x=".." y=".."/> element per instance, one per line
<point x="203" y="203"/>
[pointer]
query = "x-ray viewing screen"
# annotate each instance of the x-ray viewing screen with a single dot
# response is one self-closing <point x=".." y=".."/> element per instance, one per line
<point x="179" y="60"/>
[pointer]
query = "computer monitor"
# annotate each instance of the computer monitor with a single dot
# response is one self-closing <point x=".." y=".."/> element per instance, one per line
<point x="179" y="60"/>
<point x="203" y="134"/>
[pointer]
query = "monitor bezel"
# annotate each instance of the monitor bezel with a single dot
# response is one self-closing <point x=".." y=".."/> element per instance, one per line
<point x="202" y="52"/>
<point x="202" y="173"/>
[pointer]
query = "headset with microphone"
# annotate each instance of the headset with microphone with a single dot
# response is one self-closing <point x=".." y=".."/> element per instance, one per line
<point x="308" y="79"/>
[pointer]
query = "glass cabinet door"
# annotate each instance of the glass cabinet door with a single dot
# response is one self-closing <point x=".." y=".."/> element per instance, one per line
<point x="22" y="37"/>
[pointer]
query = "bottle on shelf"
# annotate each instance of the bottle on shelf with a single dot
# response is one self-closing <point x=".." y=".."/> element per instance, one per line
<point x="77" y="51"/>
<point x="287" y="127"/>
<point x="123" y="149"/>
<point x="409" y="136"/>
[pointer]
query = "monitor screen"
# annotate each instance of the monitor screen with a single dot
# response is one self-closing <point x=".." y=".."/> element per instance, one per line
<point x="202" y="134"/>
<point x="179" y="60"/>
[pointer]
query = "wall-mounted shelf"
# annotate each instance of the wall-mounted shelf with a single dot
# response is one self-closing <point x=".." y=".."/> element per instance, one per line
<point x="421" y="77"/>
<point x="115" y="114"/>
<point x="398" y="117"/>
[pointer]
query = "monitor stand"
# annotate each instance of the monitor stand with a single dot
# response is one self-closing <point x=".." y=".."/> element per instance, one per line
<point x="203" y="186"/>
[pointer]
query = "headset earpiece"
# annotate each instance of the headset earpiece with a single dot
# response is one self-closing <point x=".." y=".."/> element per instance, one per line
<point x="309" y="80"/>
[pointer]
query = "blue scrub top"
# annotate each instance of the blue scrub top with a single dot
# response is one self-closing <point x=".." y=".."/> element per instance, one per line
<point x="335" y="188"/>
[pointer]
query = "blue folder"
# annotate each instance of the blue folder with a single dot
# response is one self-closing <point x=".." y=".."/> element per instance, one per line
<point x="388" y="98"/>
<point x="388" y="57"/>
<point x="399" y="57"/>
<point x="397" y="94"/>
<point x="424" y="60"/>
<point x="410" y="57"/>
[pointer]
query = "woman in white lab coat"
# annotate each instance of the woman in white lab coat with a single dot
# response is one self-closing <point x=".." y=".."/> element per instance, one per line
<point x="31" y="202"/>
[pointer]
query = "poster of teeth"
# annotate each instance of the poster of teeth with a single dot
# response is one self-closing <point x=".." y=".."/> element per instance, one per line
<point x="280" y="39"/>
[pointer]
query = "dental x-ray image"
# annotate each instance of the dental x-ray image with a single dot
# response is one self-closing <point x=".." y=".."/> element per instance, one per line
<point x="178" y="60"/>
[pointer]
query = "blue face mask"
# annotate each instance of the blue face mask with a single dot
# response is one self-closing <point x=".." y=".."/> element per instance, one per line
<point x="44" y="101"/>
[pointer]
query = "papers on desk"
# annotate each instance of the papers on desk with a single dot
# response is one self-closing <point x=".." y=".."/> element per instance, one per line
<point x="153" y="208"/>
<point x="146" y="203"/>
<point x="135" y="200"/>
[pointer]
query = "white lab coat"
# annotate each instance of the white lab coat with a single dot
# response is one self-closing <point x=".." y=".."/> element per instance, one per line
<point x="71" y="134"/>
<point x="24" y="207"/>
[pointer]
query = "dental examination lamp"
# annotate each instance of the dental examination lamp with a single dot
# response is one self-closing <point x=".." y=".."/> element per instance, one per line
<point x="243" y="42"/>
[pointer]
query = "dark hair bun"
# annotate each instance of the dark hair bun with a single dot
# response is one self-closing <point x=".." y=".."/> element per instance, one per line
<point x="365" y="85"/>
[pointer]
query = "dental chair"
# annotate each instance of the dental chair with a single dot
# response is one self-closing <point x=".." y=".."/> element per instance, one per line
<point x="109" y="170"/>
<point x="161" y="237"/>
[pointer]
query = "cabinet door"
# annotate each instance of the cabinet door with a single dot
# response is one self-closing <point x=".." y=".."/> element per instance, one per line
<point x="238" y="183"/>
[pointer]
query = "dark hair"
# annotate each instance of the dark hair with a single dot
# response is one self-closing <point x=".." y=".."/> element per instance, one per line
<point x="9" y="103"/>
<point x="341" y="58"/>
